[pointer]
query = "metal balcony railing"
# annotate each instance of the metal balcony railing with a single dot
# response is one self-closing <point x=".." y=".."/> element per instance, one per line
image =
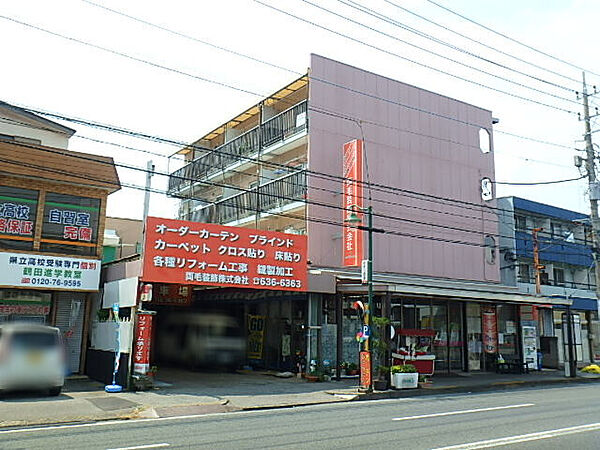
<point x="274" y="130"/>
<point x="276" y="193"/>
<point x="565" y="284"/>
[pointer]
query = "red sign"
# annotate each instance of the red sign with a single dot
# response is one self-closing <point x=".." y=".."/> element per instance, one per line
<point x="143" y="338"/>
<point x="172" y="294"/>
<point x="192" y="253"/>
<point x="352" y="201"/>
<point x="365" y="369"/>
<point x="25" y="309"/>
<point x="490" y="329"/>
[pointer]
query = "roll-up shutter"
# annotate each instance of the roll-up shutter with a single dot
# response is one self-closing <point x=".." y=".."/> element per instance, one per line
<point x="70" y="307"/>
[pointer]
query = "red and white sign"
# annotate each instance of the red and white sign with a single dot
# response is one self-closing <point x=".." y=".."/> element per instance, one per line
<point x="352" y="200"/>
<point x="490" y="329"/>
<point x="143" y="341"/>
<point x="182" y="252"/>
<point x="365" y="369"/>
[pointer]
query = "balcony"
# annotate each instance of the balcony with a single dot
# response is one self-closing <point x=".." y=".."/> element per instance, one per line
<point x="276" y="194"/>
<point x="563" y="284"/>
<point x="284" y="125"/>
<point x="554" y="250"/>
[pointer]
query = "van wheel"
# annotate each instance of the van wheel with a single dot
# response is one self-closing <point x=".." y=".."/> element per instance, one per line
<point x="54" y="391"/>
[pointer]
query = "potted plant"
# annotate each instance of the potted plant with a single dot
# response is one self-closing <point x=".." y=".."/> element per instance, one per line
<point x="380" y="349"/>
<point x="404" y="376"/>
<point x="352" y="369"/>
<point x="381" y="383"/>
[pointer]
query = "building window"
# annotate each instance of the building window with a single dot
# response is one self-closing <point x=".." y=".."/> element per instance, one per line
<point x="520" y="222"/>
<point x="524" y="275"/>
<point x="559" y="277"/>
<point x="485" y="144"/>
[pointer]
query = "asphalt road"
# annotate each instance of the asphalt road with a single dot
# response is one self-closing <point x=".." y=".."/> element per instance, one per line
<point x="562" y="418"/>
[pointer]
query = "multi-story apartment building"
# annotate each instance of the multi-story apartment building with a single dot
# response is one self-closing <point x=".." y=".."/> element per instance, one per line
<point x="52" y="210"/>
<point x="564" y="249"/>
<point x="428" y="165"/>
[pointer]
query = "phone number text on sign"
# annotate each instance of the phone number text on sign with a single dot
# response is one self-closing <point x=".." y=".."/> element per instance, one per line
<point x="209" y="254"/>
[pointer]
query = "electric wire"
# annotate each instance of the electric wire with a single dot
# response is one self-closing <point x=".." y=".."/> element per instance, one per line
<point x="464" y="36"/>
<point x="288" y="215"/>
<point x="371" y="12"/>
<point x="397" y="55"/>
<point x="509" y="38"/>
<point x="244" y="190"/>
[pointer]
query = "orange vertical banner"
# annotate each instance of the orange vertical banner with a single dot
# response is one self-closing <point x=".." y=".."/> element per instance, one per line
<point x="352" y="200"/>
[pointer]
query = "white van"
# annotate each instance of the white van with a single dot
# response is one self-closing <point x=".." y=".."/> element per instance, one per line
<point x="196" y="339"/>
<point x="31" y="357"/>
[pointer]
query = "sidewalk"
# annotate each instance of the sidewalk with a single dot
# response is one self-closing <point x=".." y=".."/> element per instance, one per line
<point x="187" y="393"/>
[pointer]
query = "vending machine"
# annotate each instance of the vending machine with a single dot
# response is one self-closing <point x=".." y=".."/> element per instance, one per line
<point x="529" y="336"/>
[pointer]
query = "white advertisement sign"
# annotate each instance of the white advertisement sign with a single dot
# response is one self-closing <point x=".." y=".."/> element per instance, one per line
<point x="123" y="292"/>
<point x="49" y="272"/>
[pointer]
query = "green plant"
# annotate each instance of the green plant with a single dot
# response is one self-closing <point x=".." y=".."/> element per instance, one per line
<point x="352" y="366"/>
<point x="404" y="368"/>
<point x="102" y="315"/>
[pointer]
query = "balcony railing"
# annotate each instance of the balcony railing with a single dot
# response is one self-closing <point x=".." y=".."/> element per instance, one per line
<point x="565" y="284"/>
<point x="277" y="193"/>
<point x="274" y="130"/>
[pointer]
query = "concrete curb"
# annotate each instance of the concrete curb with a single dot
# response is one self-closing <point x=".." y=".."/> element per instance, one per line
<point x="497" y="386"/>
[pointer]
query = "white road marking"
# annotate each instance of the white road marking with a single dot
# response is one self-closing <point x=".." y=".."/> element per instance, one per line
<point x="164" y="444"/>
<point x="464" y="411"/>
<point x="524" y="437"/>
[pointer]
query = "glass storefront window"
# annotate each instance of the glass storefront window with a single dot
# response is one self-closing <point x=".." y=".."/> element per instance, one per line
<point x="439" y="315"/>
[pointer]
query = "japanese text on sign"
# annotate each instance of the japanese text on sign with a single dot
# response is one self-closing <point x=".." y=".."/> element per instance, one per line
<point x="194" y="253"/>
<point x="352" y="202"/>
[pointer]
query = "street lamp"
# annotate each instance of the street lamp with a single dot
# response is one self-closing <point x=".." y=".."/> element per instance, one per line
<point x="355" y="220"/>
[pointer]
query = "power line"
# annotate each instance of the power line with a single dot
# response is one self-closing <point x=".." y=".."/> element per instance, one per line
<point x="288" y="215"/>
<point x="371" y="12"/>
<point x="510" y="38"/>
<point x="480" y="43"/>
<point x="247" y="91"/>
<point x="376" y="186"/>
<point x="243" y="190"/>
<point x="187" y="36"/>
<point x="539" y="182"/>
<point x="397" y="55"/>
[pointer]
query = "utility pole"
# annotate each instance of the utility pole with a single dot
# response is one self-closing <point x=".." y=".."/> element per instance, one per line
<point x="594" y="190"/>
<point x="536" y="261"/>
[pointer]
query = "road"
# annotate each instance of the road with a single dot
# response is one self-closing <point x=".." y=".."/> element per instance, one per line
<point x="564" y="417"/>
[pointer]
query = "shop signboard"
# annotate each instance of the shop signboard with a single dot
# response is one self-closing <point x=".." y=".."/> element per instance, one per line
<point x="256" y="331"/>
<point x="143" y="342"/>
<point x="352" y="201"/>
<point x="193" y="253"/>
<point x="49" y="272"/>
<point x="172" y="294"/>
<point x="365" y="369"/>
<point x="489" y="329"/>
<point x="18" y="209"/>
<point x="70" y="221"/>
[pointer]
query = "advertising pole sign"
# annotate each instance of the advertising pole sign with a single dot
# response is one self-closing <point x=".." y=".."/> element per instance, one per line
<point x="490" y="329"/>
<point x="365" y="369"/>
<point x="352" y="201"/>
<point x="203" y="254"/>
<point x="143" y="337"/>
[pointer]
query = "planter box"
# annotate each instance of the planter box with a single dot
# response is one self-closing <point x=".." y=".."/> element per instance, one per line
<point x="405" y="380"/>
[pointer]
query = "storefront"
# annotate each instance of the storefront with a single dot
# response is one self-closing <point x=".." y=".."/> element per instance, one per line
<point x="466" y="331"/>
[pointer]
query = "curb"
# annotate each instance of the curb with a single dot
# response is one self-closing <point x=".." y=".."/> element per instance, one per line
<point x="498" y="386"/>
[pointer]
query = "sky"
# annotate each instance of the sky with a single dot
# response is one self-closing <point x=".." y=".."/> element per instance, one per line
<point x="191" y="87"/>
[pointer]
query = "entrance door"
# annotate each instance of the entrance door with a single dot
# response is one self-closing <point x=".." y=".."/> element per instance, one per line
<point x="70" y="307"/>
<point x="474" y="338"/>
<point x="455" y="341"/>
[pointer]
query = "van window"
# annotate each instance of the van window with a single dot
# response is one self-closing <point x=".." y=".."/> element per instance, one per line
<point x="32" y="339"/>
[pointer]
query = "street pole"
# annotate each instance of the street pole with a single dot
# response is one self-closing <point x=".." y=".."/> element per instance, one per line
<point x="536" y="261"/>
<point x="590" y="165"/>
<point x="370" y="296"/>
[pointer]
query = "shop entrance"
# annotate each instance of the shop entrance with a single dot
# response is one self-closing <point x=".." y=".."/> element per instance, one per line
<point x="444" y="318"/>
<point x="224" y="329"/>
